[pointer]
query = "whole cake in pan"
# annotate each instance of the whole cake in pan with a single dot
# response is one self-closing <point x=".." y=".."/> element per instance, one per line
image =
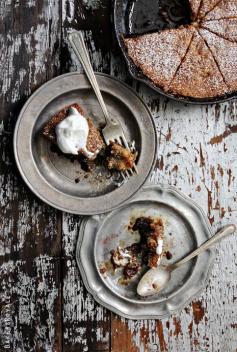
<point x="196" y="60"/>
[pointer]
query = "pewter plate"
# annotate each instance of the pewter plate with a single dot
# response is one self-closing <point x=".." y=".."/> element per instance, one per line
<point x="59" y="180"/>
<point x="186" y="228"/>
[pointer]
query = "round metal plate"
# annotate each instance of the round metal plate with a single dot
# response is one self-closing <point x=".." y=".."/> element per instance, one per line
<point x="186" y="228"/>
<point x="55" y="178"/>
<point x="122" y="25"/>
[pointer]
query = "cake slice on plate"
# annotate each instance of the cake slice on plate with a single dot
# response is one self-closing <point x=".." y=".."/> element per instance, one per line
<point x="198" y="76"/>
<point x="225" y="28"/>
<point x="74" y="133"/>
<point x="224" y="53"/>
<point x="159" y="55"/>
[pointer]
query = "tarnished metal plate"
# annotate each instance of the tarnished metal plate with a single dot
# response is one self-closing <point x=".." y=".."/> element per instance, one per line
<point x="55" y="178"/>
<point x="186" y="228"/>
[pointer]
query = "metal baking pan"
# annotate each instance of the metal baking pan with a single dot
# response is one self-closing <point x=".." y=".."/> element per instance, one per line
<point x="133" y="17"/>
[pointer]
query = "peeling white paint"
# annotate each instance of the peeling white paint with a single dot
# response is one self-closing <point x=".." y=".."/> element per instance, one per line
<point x="184" y="134"/>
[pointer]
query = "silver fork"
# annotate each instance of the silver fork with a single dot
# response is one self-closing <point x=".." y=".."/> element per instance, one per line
<point x="112" y="132"/>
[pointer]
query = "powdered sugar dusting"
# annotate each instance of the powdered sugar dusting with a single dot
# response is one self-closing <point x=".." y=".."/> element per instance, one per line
<point x="224" y="52"/>
<point x="194" y="5"/>
<point x="158" y="55"/>
<point x="225" y="28"/>
<point x="198" y="76"/>
<point x="224" y="9"/>
<point x="207" y="6"/>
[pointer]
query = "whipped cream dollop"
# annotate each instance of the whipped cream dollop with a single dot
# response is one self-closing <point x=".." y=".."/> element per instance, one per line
<point x="121" y="257"/>
<point x="159" y="250"/>
<point x="159" y="247"/>
<point x="72" y="134"/>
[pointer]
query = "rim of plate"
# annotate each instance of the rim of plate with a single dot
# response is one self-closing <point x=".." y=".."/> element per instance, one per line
<point x="27" y="179"/>
<point x="104" y="288"/>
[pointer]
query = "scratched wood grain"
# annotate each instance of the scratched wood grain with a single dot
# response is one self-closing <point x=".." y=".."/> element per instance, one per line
<point x="196" y="153"/>
<point x="39" y="277"/>
<point x="30" y="240"/>
<point x="86" y="325"/>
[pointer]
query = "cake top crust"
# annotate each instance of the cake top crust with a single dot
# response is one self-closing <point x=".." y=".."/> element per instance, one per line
<point x="165" y="56"/>
<point x="159" y="55"/>
<point x="224" y="53"/>
<point x="225" y="28"/>
<point x="223" y="9"/>
<point x="194" y="6"/>
<point x="199" y="72"/>
<point x="206" y="7"/>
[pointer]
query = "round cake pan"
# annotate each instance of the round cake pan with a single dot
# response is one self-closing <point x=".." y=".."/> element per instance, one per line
<point x="122" y="25"/>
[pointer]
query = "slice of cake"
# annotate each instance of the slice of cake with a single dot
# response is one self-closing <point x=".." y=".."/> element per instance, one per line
<point x="159" y="55"/>
<point x="74" y="133"/>
<point x="225" y="54"/>
<point x="194" y="5"/>
<point x="206" y="7"/>
<point x="225" y="28"/>
<point x="223" y="9"/>
<point x="198" y="76"/>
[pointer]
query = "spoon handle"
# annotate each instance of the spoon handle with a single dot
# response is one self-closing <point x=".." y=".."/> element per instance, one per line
<point x="225" y="231"/>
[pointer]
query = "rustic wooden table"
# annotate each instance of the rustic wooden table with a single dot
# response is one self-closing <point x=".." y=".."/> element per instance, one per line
<point x="43" y="304"/>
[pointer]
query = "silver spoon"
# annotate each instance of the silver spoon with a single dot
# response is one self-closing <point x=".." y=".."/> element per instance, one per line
<point x="156" y="279"/>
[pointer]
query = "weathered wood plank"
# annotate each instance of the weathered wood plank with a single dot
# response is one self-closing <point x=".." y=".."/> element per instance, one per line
<point x="86" y="325"/>
<point x="196" y="153"/>
<point x="188" y="159"/>
<point x="30" y="243"/>
<point x="197" y="149"/>
<point x="30" y="304"/>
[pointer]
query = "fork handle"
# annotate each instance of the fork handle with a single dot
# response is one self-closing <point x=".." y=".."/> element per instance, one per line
<point x="77" y="41"/>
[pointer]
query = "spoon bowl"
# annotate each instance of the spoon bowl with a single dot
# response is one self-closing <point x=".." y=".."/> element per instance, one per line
<point x="155" y="279"/>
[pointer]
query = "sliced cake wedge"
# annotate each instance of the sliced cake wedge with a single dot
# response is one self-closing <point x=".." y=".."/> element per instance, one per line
<point x="225" y="28"/>
<point x="198" y="76"/>
<point x="94" y="143"/>
<point x="159" y="55"/>
<point x="194" y="6"/>
<point x="223" y="9"/>
<point x="206" y="7"/>
<point x="224" y="52"/>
